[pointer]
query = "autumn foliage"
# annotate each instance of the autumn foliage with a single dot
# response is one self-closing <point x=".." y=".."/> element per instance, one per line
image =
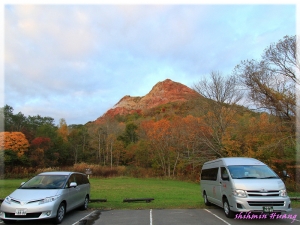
<point x="172" y="130"/>
<point x="166" y="143"/>
<point x="15" y="141"/>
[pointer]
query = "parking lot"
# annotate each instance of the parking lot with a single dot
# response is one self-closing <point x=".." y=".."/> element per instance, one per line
<point x="212" y="215"/>
<point x="181" y="217"/>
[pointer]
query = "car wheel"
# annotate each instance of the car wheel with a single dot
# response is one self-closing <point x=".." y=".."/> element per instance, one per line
<point x="226" y="208"/>
<point x="86" y="203"/>
<point x="61" y="211"/>
<point x="206" y="202"/>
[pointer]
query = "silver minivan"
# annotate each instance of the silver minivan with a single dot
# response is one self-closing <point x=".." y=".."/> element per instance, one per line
<point x="240" y="184"/>
<point x="48" y="195"/>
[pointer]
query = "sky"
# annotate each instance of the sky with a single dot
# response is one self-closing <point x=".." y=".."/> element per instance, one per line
<point x="76" y="61"/>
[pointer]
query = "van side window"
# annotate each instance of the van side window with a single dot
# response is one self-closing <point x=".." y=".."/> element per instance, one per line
<point x="71" y="179"/>
<point x="79" y="179"/>
<point x="210" y="174"/>
<point x="224" y="173"/>
<point x="85" y="179"/>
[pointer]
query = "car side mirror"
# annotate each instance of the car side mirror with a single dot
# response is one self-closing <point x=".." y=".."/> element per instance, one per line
<point x="284" y="173"/>
<point x="73" y="184"/>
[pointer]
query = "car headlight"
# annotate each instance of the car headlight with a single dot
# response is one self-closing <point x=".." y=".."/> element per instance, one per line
<point x="283" y="193"/>
<point x="49" y="199"/>
<point x="7" y="200"/>
<point x="239" y="193"/>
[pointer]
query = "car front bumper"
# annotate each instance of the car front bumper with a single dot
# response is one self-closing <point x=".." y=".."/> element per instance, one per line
<point x="33" y="211"/>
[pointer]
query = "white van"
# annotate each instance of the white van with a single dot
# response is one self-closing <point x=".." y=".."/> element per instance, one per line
<point x="241" y="184"/>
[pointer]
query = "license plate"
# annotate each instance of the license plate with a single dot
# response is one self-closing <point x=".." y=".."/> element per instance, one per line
<point x="267" y="209"/>
<point x="20" y="212"/>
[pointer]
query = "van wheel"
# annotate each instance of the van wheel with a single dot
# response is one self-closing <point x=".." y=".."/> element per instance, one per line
<point x="226" y="208"/>
<point x="61" y="211"/>
<point x="206" y="202"/>
<point x="85" y="204"/>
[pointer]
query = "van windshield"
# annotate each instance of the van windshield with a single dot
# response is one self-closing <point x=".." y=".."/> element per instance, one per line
<point x="46" y="182"/>
<point x="251" y="172"/>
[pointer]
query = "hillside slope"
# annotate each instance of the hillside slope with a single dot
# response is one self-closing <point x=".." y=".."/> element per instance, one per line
<point x="163" y="92"/>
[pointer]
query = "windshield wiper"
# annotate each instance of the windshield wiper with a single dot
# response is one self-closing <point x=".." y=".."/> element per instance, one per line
<point x="270" y="177"/>
<point x="246" y="178"/>
<point x="33" y="187"/>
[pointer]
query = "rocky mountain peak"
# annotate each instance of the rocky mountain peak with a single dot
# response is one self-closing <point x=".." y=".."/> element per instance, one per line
<point x="163" y="92"/>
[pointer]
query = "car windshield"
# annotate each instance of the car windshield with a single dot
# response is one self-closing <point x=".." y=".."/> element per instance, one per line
<point x="46" y="182"/>
<point x="252" y="172"/>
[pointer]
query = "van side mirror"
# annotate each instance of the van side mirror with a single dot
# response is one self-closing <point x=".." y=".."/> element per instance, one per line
<point x="284" y="173"/>
<point x="73" y="184"/>
<point x="225" y="176"/>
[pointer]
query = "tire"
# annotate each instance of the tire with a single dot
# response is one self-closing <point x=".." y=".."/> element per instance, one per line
<point x="85" y="204"/>
<point x="206" y="202"/>
<point x="61" y="211"/>
<point x="226" y="208"/>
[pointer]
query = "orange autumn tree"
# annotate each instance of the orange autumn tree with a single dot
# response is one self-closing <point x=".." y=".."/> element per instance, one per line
<point x="63" y="129"/>
<point x="176" y="143"/>
<point x="217" y="122"/>
<point x="196" y="133"/>
<point x="158" y="134"/>
<point x="15" y="141"/>
<point x="257" y="137"/>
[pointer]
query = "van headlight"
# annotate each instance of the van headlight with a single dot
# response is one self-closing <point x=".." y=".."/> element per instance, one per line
<point x="283" y="193"/>
<point x="49" y="199"/>
<point x="7" y="200"/>
<point x="239" y="193"/>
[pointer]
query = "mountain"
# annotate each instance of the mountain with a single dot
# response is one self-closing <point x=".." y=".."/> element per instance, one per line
<point x="163" y="92"/>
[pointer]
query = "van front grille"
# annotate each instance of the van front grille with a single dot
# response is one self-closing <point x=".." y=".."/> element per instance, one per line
<point x="261" y="203"/>
<point x="263" y="194"/>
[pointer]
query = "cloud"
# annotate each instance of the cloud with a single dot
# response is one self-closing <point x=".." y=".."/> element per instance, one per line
<point x="77" y="61"/>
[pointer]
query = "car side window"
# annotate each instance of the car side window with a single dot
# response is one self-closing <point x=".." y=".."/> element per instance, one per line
<point x="71" y="179"/>
<point x="85" y="179"/>
<point x="79" y="180"/>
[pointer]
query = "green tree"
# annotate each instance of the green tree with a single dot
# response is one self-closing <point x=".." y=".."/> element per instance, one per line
<point x="130" y="134"/>
<point x="6" y="115"/>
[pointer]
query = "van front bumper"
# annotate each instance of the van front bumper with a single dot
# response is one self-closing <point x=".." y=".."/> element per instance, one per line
<point x="277" y="204"/>
<point x="33" y="211"/>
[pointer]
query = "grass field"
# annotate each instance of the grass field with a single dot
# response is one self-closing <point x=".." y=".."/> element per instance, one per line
<point x="167" y="194"/>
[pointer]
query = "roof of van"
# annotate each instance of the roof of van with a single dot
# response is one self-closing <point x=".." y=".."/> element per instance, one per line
<point x="237" y="161"/>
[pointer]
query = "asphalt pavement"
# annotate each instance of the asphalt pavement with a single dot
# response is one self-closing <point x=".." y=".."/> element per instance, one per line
<point x="208" y="216"/>
<point x="187" y="217"/>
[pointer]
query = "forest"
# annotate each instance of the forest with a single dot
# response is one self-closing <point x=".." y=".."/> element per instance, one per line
<point x="249" y="113"/>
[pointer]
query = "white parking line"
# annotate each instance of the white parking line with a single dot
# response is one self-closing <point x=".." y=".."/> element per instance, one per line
<point x="150" y="216"/>
<point x="217" y="217"/>
<point x="82" y="218"/>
